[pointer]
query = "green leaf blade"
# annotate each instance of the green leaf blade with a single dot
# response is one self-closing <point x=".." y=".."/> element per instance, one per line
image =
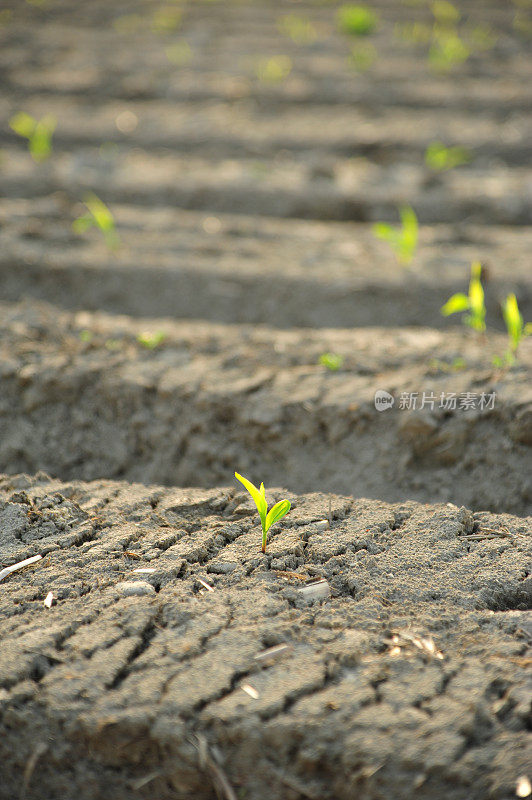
<point x="456" y="303"/>
<point x="277" y="512"/>
<point x="257" y="496"/>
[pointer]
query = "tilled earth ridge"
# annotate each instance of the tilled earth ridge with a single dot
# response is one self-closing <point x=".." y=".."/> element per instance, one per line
<point x="411" y="679"/>
<point x="236" y="268"/>
<point x="83" y="398"/>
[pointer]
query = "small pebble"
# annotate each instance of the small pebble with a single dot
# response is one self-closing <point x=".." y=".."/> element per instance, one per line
<point x="135" y="588"/>
<point x="222" y="567"/>
<point x="314" y="592"/>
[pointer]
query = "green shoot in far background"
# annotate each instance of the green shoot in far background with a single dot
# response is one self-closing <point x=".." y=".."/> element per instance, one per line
<point x="331" y="361"/>
<point x="274" y="69"/>
<point x="473" y="302"/>
<point x="98" y="216"/>
<point x="356" y="20"/>
<point x="151" y="340"/>
<point x="517" y="330"/>
<point x="441" y="158"/>
<point x="402" y="240"/>
<point x="299" y="29"/>
<point x="362" y="56"/>
<point x="267" y="518"/>
<point x="37" y="132"/>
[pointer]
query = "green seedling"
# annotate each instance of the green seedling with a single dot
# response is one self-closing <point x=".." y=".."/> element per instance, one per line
<point x="179" y="53"/>
<point x="517" y="330"/>
<point x="413" y="32"/>
<point x="441" y="158"/>
<point x="482" y="38"/>
<point x="455" y="365"/>
<point x="166" y="19"/>
<point x="37" y="132"/>
<point x="331" y="361"/>
<point x="447" y="50"/>
<point x="473" y="302"/>
<point x="267" y="518"/>
<point x="299" y="29"/>
<point x="356" y="20"/>
<point x="86" y="335"/>
<point x="151" y="340"/>
<point x="445" y="13"/>
<point x="98" y="216"/>
<point x="362" y="56"/>
<point x="274" y="69"/>
<point x="402" y="240"/>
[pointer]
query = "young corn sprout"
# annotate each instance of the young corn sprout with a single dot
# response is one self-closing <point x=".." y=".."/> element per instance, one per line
<point x="441" y="158"/>
<point x="402" y="240"/>
<point x="267" y="518"/>
<point x="151" y="340"/>
<point x="473" y="302"/>
<point x="332" y="361"/>
<point x="356" y="20"/>
<point x="99" y="216"/>
<point x="274" y="69"/>
<point x="517" y="330"/>
<point x="299" y="29"/>
<point x="37" y="132"/>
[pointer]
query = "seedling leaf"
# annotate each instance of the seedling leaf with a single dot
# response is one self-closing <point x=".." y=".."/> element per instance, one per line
<point x="277" y="512"/>
<point x="472" y="302"/>
<point x="23" y="124"/>
<point x="356" y="20"/>
<point x="38" y="133"/>
<point x="514" y="323"/>
<point x="403" y="240"/>
<point x="99" y="216"/>
<point x="257" y="495"/>
<point x="458" y="302"/>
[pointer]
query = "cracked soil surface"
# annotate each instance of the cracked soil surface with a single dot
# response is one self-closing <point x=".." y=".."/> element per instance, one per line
<point x="219" y="669"/>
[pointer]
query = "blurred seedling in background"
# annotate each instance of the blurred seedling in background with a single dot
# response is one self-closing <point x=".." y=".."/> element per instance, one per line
<point x="151" y="340"/>
<point x="447" y="50"/>
<point x="38" y="133"/>
<point x="356" y="20"/>
<point x="274" y="69"/>
<point x="522" y="24"/>
<point x="403" y="240"/>
<point x="473" y="302"/>
<point x="86" y="336"/>
<point x="166" y="19"/>
<point x="441" y="158"/>
<point x="267" y="518"/>
<point x="179" y="53"/>
<point x="98" y="216"/>
<point x="299" y="29"/>
<point x="449" y="43"/>
<point x="331" y="361"/>
<point x="517" y="330"/>
<point x="455" y="365"/>
<point x="362" y="56"/>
